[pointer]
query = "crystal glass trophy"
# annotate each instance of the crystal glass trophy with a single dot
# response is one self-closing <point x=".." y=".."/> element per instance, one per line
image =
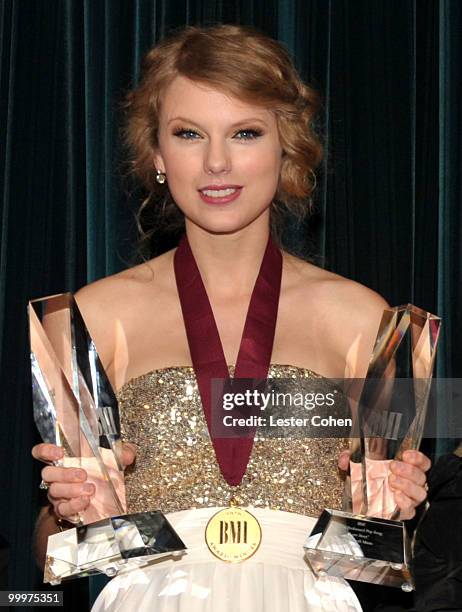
<point x="366" y="541"/>
<point x="75" y="407"/>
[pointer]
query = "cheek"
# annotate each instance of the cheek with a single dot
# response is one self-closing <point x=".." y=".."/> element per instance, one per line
<point x="182" y="171"/>
<point x="178" y="161"/>
<point x="177" y="157"/>
<point x="266" y="165"/>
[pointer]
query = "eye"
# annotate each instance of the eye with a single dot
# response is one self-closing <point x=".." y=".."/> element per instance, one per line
<point x="186" y="134"/>
<point x="248" y="134"/>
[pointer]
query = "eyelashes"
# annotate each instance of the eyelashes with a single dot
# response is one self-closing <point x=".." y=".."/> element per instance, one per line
<point x="244" y="134"/>
<point x="186" y="134"/>
<point x="248" y="134"/>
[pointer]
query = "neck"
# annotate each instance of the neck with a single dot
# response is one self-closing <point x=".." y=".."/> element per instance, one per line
<point x="228" y="263"/>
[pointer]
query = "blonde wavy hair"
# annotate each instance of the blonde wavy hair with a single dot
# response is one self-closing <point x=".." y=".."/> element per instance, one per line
<point x="243" y="63"/>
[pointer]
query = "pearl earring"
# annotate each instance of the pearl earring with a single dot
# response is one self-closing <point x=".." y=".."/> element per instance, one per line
<point x="160" y="177"/>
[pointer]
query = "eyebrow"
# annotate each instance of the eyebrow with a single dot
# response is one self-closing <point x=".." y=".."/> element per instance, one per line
<point x="234" y="125"/>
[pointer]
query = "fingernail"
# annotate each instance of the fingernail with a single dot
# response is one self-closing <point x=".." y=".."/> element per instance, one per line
<point x="79" y="475"/>
<point x="87" y="488"/>
<point x="84" y="499"/>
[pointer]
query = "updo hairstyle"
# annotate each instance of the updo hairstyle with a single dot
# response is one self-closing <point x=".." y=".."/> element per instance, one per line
<point x="247" y="65"/>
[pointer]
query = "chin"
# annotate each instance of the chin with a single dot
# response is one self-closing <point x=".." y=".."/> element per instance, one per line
<point x="230" y="222"/>
<point x="222" y="230"/>
<point x="227" y="226"/>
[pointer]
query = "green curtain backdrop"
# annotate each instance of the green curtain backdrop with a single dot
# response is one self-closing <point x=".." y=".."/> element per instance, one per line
<point x="388" y="198"/>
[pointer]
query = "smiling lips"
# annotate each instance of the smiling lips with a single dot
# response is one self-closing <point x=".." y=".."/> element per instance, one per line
<point x="220" y="194"/>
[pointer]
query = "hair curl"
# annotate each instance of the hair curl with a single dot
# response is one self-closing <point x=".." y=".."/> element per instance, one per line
<point x="248" y="65"/>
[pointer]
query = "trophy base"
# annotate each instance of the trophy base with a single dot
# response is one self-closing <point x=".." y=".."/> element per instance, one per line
<point x="110" y="546"/>
<point x="366" y="549"/>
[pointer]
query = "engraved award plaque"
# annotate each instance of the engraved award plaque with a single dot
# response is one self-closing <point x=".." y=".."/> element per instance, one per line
<point x="75" y="407"/>
<point x="366" y="541"/>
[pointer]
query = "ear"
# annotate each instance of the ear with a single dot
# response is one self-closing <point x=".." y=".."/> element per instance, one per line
<point x="158" y="161"/>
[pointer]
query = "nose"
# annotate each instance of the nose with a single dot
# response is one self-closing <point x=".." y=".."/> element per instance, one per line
<point x="217" y="158"/>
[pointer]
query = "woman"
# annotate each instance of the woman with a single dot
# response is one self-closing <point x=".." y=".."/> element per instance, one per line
<point x="221" y="130"/>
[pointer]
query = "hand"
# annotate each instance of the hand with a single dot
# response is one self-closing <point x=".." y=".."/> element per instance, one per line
<point x="69" y="491"/>
<point x="407" y="480"/>
<point x="344" y="460"/>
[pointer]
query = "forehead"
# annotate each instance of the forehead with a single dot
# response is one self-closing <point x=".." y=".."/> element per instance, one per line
<point x="199" y="101"/>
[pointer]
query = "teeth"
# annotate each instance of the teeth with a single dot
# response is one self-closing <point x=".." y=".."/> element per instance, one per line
<point x="220" y="193"/>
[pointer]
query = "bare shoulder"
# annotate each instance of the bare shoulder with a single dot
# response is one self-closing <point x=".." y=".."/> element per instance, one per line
<point x="114" y="303"/>
<point x="348" y="312"/>
<point x="106" y="294"/>
<point x="112" y="292"/>
<point x="335" y="291"/>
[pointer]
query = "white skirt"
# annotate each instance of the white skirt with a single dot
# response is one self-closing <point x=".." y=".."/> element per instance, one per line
<point x="275" y="579"/>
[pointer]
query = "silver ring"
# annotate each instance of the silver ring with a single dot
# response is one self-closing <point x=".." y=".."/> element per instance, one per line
<point x="75" y="519"/>
<point x="44" y="486"/>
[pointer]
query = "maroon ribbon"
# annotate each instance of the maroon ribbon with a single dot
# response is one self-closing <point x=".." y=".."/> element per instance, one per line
<point x="206" y="350"/>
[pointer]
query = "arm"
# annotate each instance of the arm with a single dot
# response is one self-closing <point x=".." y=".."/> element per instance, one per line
<point x="407" y="480"/>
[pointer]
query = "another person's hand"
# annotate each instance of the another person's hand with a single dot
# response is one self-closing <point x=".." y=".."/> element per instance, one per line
<point x="68" y="489"/>
<point x="407" y="480"/>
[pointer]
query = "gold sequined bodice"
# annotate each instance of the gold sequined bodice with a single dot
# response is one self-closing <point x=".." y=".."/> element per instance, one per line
<point x="176" y="467"/>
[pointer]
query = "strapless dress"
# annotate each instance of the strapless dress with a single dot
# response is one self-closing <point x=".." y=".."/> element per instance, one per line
<point x="287" y="484"/>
